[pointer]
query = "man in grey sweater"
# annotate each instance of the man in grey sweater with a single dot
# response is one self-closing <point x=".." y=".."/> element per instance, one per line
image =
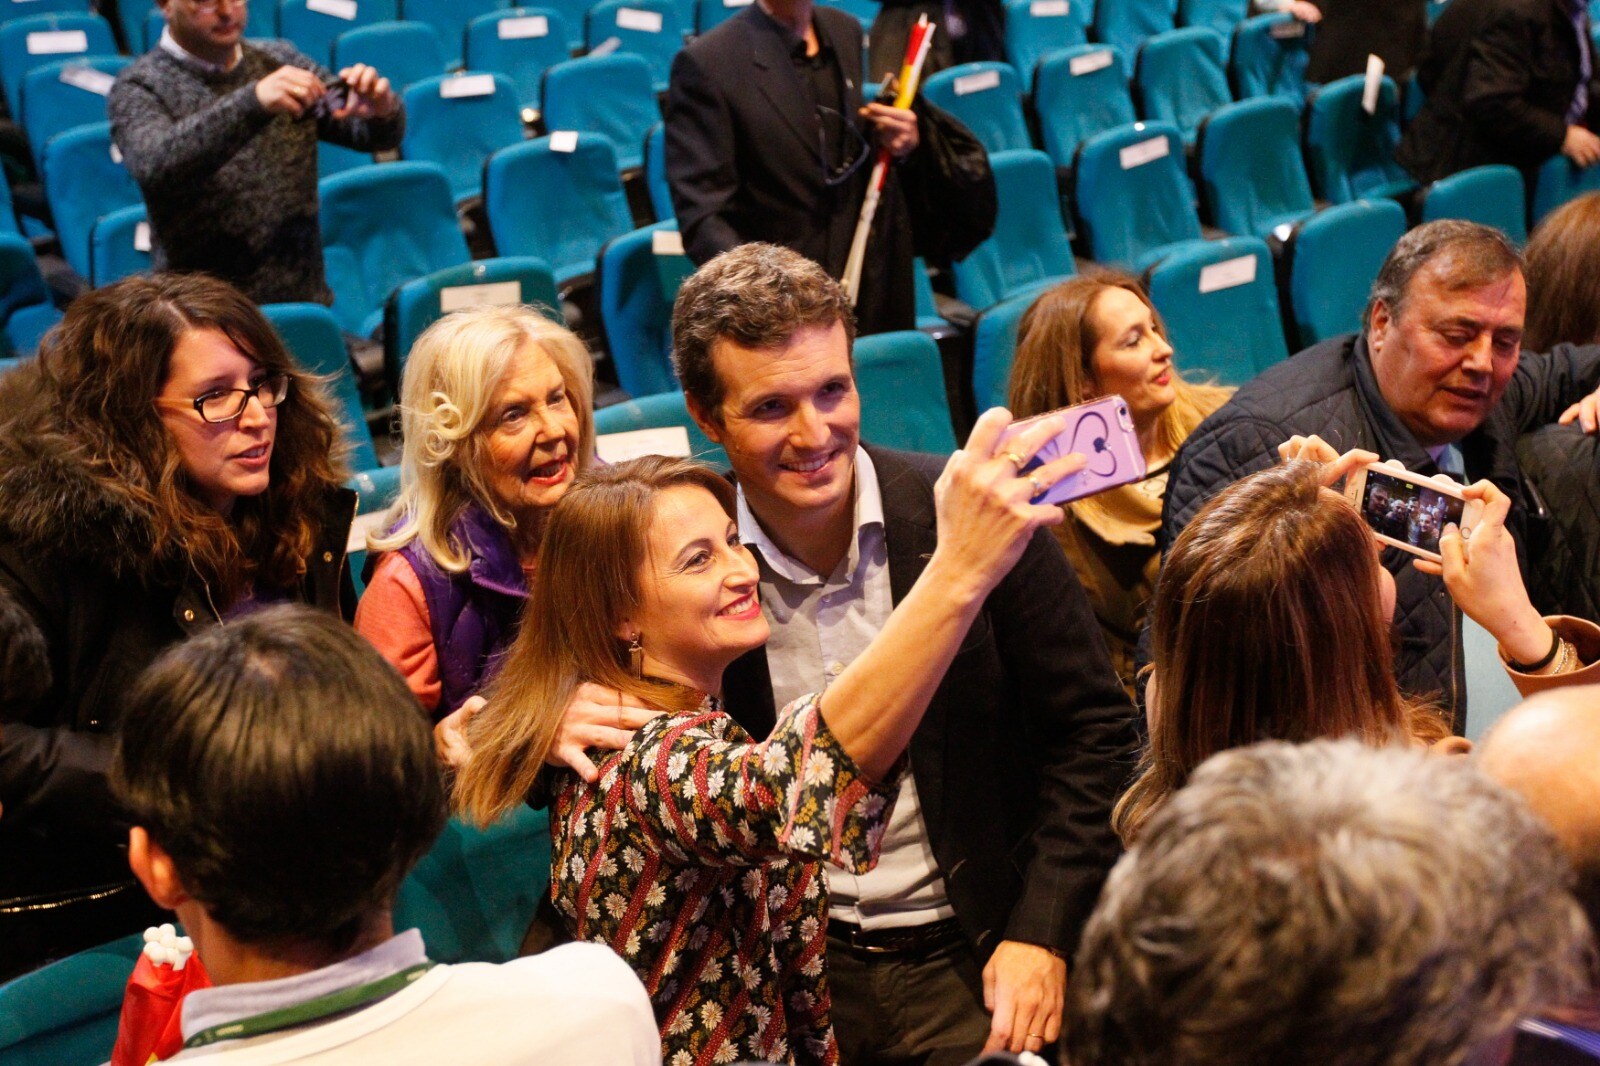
<point x="221" y="135"/>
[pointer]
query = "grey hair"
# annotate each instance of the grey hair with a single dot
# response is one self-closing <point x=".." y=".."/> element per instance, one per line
<point x="1328" y="903"/>
<point x="756" y="295"/>
<point x="1479" y="255"/>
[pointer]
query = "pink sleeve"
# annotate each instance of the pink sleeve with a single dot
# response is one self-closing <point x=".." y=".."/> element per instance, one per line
<point x="393" y="615"/>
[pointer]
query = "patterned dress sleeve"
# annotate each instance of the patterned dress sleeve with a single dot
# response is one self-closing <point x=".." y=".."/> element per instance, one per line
<point x="707" y="799"/>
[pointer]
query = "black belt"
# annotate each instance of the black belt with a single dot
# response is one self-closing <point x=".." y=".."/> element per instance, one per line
<point x="903" y="940"/>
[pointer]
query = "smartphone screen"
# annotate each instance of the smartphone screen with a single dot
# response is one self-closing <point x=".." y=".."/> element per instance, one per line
<point x="1405" y="511"/>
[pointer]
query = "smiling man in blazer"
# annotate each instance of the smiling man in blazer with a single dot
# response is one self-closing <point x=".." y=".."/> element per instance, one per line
<point x="768" y="139"/>
<point x="1000" y="837"/>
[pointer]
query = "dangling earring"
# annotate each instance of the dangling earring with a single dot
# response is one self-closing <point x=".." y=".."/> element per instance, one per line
<point x="636" y="655"/>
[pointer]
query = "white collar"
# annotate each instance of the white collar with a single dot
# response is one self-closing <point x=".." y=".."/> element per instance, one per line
<point x="170" y="45"/>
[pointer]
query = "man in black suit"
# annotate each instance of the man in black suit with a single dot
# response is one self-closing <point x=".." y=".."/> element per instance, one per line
<point x="1506" y="81"/>
<point x="1000" y="837"/>
<point x="768" y="140"/>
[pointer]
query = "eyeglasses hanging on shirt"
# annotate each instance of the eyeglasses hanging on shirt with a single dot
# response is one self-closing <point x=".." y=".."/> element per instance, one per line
<point x="846" y="136"/>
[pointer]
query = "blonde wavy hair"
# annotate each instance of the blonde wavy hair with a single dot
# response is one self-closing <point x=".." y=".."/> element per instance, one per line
<point x="451" y="377"/>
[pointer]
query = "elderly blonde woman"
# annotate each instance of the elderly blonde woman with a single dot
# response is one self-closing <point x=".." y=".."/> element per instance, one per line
<point x="497" y="412"/>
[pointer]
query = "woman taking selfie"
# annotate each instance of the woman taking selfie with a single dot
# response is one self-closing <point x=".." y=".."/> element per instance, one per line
<point x="497" y="415"/>
<point x="696" y="855"/>
<point x="1092" y="336"/>
<point x="164" y="466"/>
<point x="1271" y="621"/>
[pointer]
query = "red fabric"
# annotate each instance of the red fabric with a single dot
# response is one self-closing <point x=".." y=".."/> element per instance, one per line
<point x="149" y="1028"/>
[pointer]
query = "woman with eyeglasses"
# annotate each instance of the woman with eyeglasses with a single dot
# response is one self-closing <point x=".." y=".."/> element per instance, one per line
<point x="164" y="467"/>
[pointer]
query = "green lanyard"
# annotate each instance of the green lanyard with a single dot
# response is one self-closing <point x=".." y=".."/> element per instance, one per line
<point x="346" y="999"/>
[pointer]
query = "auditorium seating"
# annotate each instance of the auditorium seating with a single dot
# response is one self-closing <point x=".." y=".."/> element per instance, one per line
<point x="636" y="280"/>
<point x="660" y="411"/>
<point x="312" y="25"/>
<point x="581" y="207"/>
<point x="61" y="96"/>
<point x="1269" y="57"/>
<point x="1180" y="77"/>
<point x="1029" y="247"/>
<point x="1133" y="200"/>
<point x="457" y="121"/>
<point x="609" y="95"/>
<point x="381" y="227"/>
<point x="119" y="245"/>
<point x="38" y="40"/>
<point x="336" y="159"/>
<point x="84" y="179"/>
<point x="521" y="44"/>
<point x="448" y="19"/>
<point x="903" y="402"/>
<point x="1333" y="259"/>
<point x="709" y="14"/>
<point x="26" y="311"/>
<point x="1349" y="153"/>
<point x="1558" y="181"/>
<point x="987" y="99"/>
<point x="422" y="301"/>
<point x="1218" y="15"/>
<point x="1204" y="284"/>
<point x="1252" y="176"/>
<point x="1124" y="24"/>
<point x="1079" y="92"/>
<point x="66" y="1013"/>
<point x="1492" y="195"/>
<point x="1037" y="28"/>
<point x="14" y="9"/>
<point x="403" y="52"/>
<point x="994" y="345"/>
<point x="650" y="29"/>
<point x="655" y="173"/>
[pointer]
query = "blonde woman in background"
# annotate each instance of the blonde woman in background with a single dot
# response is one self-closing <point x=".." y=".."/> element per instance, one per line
<point x="497" y="413"/>
<point x="1097" y="335"/>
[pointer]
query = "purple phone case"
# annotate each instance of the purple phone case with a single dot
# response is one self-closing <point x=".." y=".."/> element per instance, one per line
<point x="1102" y="432"/>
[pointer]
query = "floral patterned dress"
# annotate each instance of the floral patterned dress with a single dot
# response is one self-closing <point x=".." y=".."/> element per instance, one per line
<point x="697" y="858"/>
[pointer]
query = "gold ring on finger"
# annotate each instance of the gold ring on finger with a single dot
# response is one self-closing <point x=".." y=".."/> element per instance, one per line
<point x="1016" y="460"/>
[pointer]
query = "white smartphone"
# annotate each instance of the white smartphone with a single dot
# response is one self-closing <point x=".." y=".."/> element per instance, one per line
<point x="1409" y="511"/>
<point x="1102" y="432"/>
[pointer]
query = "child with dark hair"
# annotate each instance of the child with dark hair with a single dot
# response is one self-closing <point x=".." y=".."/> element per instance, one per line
<point x="281" y="781"/>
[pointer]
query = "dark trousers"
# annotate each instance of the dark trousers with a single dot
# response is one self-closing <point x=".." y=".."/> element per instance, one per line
<point x="921" y="1008"/>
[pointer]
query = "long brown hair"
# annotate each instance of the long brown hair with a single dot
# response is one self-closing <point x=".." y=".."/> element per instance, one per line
<point x="585" y="585"/>
<point x="1267" y="624"/>
<point x="1056" y="340"/>
<point x="1563" y="273"/>
<point x="106" y="363"/>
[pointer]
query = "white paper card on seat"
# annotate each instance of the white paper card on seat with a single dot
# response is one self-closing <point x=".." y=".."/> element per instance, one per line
<point x="606" y="47"/>
<point x="666" y="242"/>
<point x="980" y="82"/>
<point x="363" y="524"/>
<point x="1090" y="62"/>
<point x="489" y="294"/>
<point x="1137" y="155"/>
<point x="671" y="441"/>
<point x="339" y="9"/>
<point x="1046" y="9"/>
<point x="563" y="140"/>
<point x="1287" y="31"/>
<point x="521" y="29"/>
<point x="1372" y="86"/>
<point x="141" y="237"/>
<point x="633" y="18"/>
<point x="57" y="42"/>
<point x="116" y="154"/>
<point x="1228" y="274"/>
<point x="88" y="79"/>
<point x="467" y="85"/>
<point x="737" y="3"/>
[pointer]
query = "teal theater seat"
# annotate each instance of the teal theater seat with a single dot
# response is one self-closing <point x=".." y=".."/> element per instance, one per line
<point x="1219" y="300"/>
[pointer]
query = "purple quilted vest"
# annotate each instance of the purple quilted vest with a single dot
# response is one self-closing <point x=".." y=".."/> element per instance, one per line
<point x="474" y="615"/>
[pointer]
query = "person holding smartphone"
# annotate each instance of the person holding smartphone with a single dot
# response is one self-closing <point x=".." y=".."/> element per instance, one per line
<point x="221" y="135"/>
<point x="1098" y="335"/>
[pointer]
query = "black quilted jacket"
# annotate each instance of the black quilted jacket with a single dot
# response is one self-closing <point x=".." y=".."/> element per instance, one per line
<point x="1562" y="465"/>
<point x="1329" y="390"/>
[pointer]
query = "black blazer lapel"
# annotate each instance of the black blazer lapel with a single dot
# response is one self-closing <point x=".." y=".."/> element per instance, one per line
<point x="777" y="79"/>
<point x="910" y="523"/>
